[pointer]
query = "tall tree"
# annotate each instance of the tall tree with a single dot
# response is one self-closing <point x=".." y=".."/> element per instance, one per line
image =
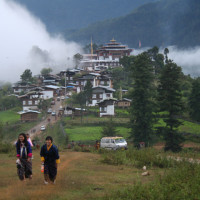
<point x="142" y="107"/>
<point x="170" y="99"/>
<point x="77" y="58"/>
<point x="27" y="76"/>
<point x="157" y="59"/>
<point x="88" y="92"/>
<point x="109" y="129"/>
<point x="46" y="71"/>
<point x="194" y="100"/>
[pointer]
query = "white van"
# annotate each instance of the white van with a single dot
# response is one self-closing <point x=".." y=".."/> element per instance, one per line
<point x="113" y="143"/>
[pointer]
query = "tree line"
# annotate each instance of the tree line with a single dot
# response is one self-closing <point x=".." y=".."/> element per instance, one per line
<point x="157" y="86"/>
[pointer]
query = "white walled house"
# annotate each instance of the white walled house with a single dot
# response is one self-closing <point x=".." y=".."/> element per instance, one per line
<point x="106" y="107"/>
<point x="30" y="101"/>
<point x="47" y="94"/>
<point x="100" y="93"/>
<point x="49" y="91"/>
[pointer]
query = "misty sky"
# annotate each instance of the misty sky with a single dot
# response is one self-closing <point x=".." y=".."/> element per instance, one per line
<point x="25" y="44"/>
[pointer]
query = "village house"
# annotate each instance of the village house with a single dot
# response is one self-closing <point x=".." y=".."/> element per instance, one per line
<point x="29" y="115"/>
<point x="124" y="103"/>
<point x="106" y="107"/>
<point x="22" y="87"/>
<point x="68" y="75"/>
<point x="30" y="101"/>
<point x="50" y="91"/>
<point x="96" y="79"/>
<point x="100" y="93"/>
<point x="69" y="111"/>
<point x="51" y="80"/>
<point x="70" y="89"/>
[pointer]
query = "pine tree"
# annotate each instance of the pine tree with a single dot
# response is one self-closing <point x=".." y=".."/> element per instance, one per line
<point x="88" y="92"/>
<point x="109" y="129"/>
<point x="170" y="99"/>
<point x="142" y="118"/>
<point x="194" y="100"/>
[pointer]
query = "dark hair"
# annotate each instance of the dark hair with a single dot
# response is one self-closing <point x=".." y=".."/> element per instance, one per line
<point x="25" y="140"/>
<point x="49" y="138"/>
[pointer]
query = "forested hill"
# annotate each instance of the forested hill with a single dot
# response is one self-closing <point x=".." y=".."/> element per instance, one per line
<point x="162" y="23"/>
<point x="59" y="15"/>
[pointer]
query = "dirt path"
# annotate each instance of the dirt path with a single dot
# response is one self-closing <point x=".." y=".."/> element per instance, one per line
<point x="35" y="188"/>
<point x="48" y="120"/>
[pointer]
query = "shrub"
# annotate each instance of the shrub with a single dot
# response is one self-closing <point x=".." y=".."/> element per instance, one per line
<point x="138" y="158"/>
<point x="6" y="148"/>
<point x="181" y="182"/>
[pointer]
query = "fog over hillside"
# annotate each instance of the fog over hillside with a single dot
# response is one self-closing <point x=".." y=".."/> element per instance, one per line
<point x="188" y="59"/>
<point x="25" y="43"/>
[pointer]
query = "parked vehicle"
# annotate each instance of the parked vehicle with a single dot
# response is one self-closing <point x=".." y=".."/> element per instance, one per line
<point x="53" y="113"/>
<point x="43" y="128"/>
<point x="52" y="102"/>
<point x="49" y="111"/>
<point x="62" y="98"/>
<point x="113" y="143"/>
<point x="58" y="98"/>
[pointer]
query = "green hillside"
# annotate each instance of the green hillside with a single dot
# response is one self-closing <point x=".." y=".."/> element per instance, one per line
<point x="163" y="23"/>
<point x="62" y="15"/>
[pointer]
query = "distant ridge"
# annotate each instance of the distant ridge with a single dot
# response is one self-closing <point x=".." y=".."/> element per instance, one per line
<point x="59" y="15"/>
<point x="162" y="23"/>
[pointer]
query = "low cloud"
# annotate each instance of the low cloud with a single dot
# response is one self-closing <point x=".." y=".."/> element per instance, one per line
<point x="25" y="44"/>
<point x="188" y="59"/>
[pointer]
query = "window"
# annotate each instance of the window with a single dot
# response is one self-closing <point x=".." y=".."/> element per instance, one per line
<point x="29" y="102"/>
<point x="36" y="102"/>
<point x="103" y="109"/>
<point x="101" y="96"/>
<point x="107" y="95"/>
<point x="24" y="102"/>
<point x="94" y="96"/>
<point x="71" y="78"/>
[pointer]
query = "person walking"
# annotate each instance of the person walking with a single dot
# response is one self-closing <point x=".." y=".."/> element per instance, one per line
<point x="50" y="159"/>
<point x="29" y="139"/>
<point x="24" y="155"/>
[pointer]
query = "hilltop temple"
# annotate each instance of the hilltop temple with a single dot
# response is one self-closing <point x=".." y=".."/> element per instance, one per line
<point x="106" y="56"/>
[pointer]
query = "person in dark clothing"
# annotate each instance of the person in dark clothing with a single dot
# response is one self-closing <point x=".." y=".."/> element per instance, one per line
<point x="50" y="158"/>
<point x="24" y="155"/>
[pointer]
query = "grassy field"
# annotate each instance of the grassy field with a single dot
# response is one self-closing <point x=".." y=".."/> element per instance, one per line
<point x="80" y="176"/>
<point x="12" y="131"/>
<point x="9" y="116"/>
<point x="187" y="127"/>
<point x="105" y="176"/>
<point x="83" y="133"/>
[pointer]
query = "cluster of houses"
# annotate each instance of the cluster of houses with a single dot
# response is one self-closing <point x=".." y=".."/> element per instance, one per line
<point x="51" y="86"/>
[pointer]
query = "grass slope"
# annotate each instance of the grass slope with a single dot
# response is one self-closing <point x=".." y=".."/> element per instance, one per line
<point x="9" y="116"/>
<point x="84" y="133"/>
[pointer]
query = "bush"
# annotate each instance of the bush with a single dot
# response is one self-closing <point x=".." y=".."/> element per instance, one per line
<point x="181" y="182"/>
<point x="138" y="158"/>
<point x="6" y="148"/>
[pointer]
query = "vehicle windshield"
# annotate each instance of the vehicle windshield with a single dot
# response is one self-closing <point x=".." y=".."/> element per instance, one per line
<point x="120" y="140"/>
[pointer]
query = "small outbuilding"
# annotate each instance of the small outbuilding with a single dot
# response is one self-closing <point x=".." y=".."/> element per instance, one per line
<point x="124" y="103"/>
<point x="29" y="115"/>
<point x="106" y="107"/>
